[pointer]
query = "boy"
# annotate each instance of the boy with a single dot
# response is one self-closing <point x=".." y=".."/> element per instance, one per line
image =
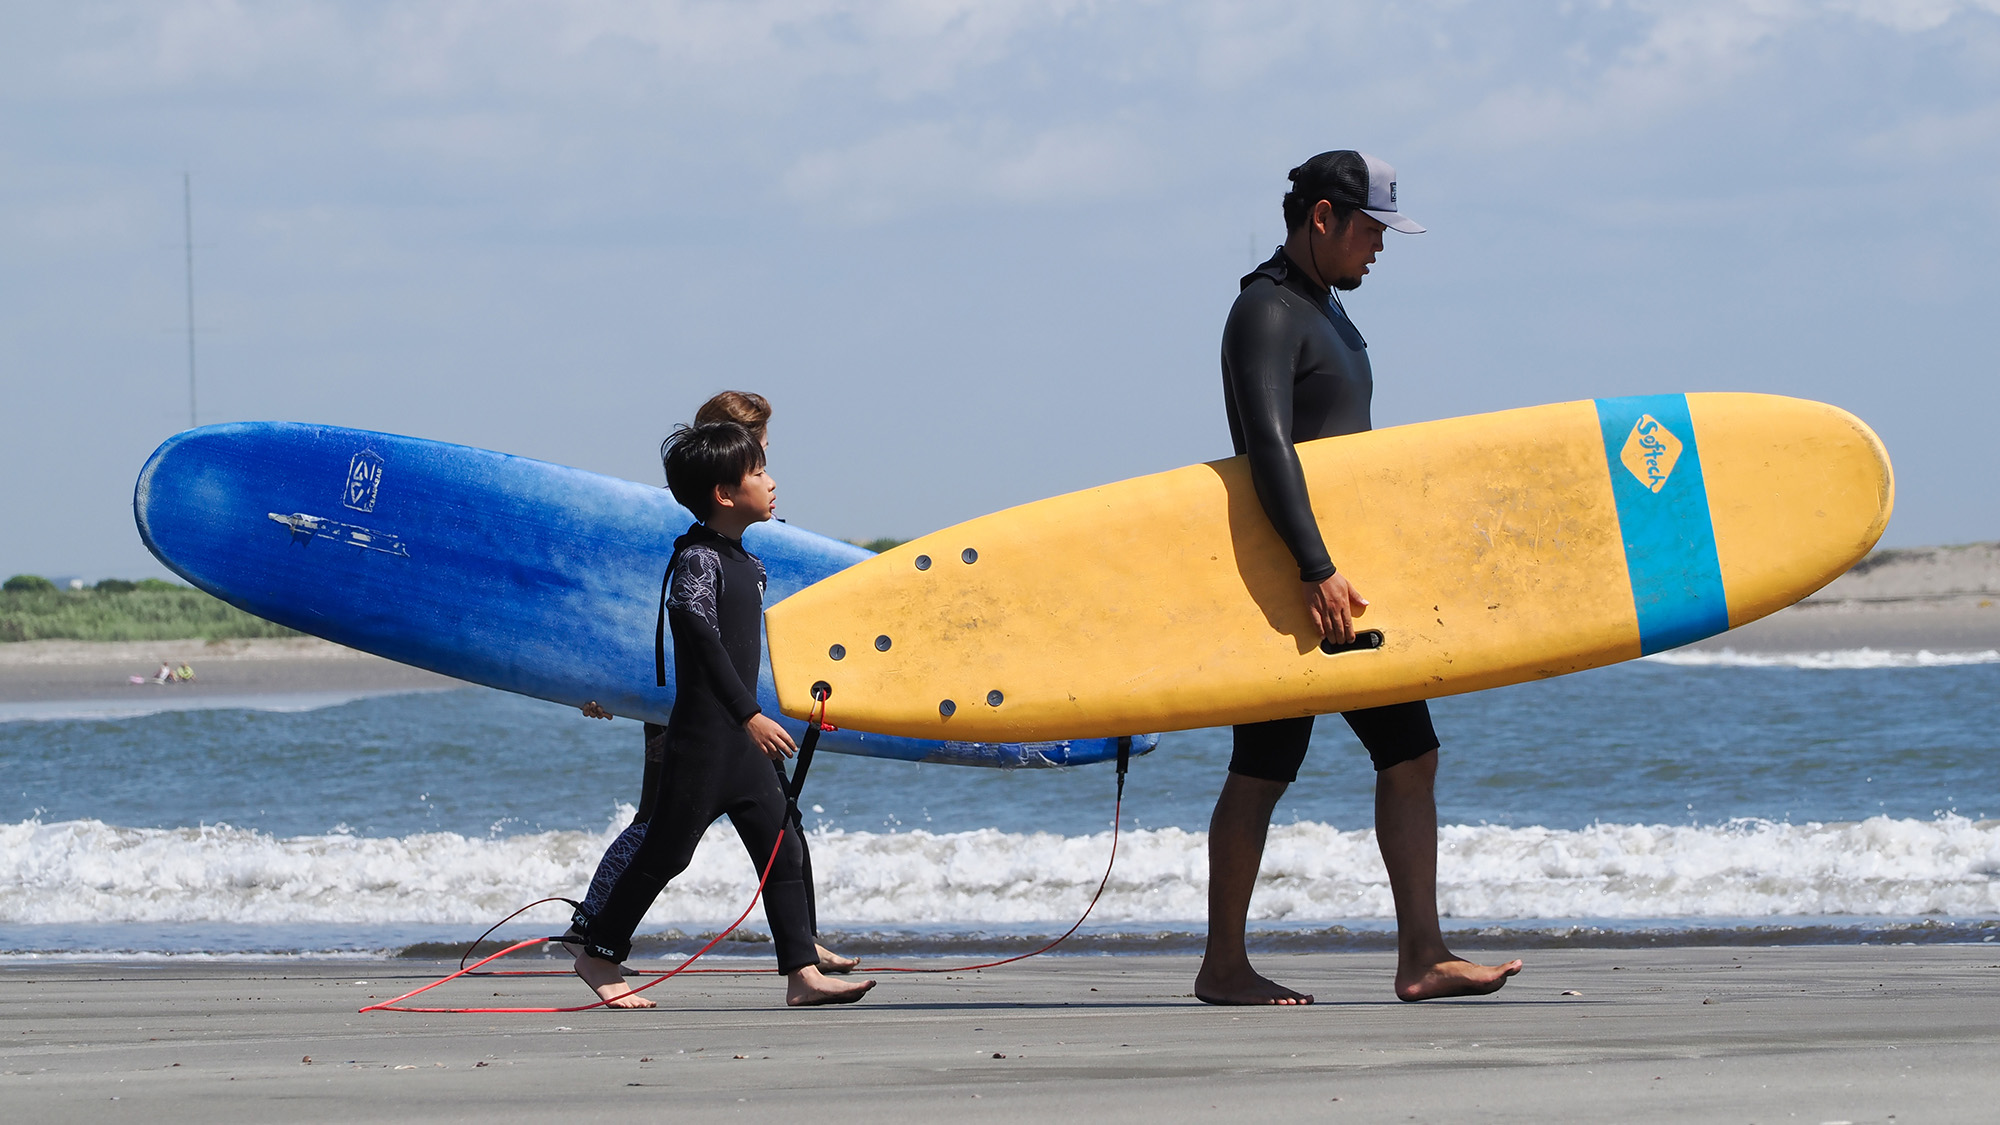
<point x="753" y="412"/>
<point x="720" y="746"/>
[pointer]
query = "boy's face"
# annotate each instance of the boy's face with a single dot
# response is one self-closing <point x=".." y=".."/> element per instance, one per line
<point x="753" y="500"/>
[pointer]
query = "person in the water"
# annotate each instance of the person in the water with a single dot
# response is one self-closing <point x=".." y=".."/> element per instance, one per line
<point x="752" y="411"/>
<point x="1294" y="368"/>
<point x="720" y="746"/>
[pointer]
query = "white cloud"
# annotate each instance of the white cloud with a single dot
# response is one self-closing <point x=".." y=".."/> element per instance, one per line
<point x="933" y="164"/>
<point x="1682" y="53"/>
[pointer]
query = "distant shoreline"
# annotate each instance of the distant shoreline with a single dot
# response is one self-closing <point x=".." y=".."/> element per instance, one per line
<point x="1933" y="599"/>
<point x="69" y="671"/>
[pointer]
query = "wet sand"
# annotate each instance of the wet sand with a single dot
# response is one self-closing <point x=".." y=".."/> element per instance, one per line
<point x="1812" y="1034"/>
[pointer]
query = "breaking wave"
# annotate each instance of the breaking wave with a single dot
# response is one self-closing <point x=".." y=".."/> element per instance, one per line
<point x="87" y="873"/>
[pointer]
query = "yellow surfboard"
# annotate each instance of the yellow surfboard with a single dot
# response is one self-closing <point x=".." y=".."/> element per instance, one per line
<point x="1492" y="549"/>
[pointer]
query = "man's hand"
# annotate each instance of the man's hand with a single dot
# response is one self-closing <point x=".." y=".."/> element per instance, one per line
<point x="771" y="738"/>
<point x="1334" y="604"/>
<point x="592" y="711"/>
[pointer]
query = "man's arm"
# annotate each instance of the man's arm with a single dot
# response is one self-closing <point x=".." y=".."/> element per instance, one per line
<point x="1258" y="355"/>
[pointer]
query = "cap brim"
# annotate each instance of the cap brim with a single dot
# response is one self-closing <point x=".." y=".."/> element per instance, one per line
<point x="1394" y="221"/>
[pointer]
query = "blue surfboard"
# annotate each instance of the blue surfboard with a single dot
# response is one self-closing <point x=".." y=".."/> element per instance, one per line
<point x="505" y="571"/>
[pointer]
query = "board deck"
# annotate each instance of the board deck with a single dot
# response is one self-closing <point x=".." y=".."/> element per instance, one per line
<point x="1492" y="549"/>
<point x="504" y="571"/>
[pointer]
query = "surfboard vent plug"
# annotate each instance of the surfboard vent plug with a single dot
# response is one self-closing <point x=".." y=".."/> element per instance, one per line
<point x="837" y="652"/>
<point x="994" y="698"/>
<point x="923" y="562"/>
<point x="946" y="708"/>
<point x="969" y="556"/>
<point x="882" y="643"/>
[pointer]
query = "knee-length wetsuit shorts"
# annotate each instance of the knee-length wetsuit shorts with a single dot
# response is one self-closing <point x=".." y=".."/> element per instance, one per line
<point x="1273" y="751"/>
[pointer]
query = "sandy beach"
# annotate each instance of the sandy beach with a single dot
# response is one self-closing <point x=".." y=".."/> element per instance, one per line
<point x="1939" y="599"/>
<point x="1814" y="1034"/>
<point x="39" y="675"/>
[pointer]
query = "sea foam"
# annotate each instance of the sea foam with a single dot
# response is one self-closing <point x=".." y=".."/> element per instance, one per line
<point x="88" y="872"/>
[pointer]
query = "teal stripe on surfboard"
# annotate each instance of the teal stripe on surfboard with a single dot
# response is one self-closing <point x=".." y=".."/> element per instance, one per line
<point x="1655" y="461"/>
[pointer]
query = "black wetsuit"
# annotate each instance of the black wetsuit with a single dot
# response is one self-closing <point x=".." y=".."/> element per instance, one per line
<point x="711" y="768"/>
<point x="619" y="855"/>
<point x="1294" y="369"/>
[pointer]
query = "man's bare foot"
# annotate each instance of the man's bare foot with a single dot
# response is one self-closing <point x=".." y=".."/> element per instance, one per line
<point x="1243" y="986"/>
<point x="831" y="962"/>
<point x="608" y="981"/>
<point x="1453" y="978"/>
<point x="808" y="987"/>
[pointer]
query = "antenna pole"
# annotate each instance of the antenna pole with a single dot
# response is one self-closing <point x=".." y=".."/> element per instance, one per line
<point x="187" y="226"/>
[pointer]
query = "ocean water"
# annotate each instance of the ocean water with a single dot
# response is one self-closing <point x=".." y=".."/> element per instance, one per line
<point x="1700" y="797"/>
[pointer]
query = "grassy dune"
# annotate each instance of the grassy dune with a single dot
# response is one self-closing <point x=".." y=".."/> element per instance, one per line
<point x="124" y="611"/>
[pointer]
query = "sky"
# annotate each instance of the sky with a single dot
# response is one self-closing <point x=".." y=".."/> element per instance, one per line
<point x="975" y="253"/>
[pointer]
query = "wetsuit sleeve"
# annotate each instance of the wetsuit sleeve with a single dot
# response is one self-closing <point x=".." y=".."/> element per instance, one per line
<point x="1259" y="352"/>
<point x="696" y="602"/>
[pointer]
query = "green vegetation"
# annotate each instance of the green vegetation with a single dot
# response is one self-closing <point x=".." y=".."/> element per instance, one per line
<point x="880" y="545"/>
<point x="32" y="609"/>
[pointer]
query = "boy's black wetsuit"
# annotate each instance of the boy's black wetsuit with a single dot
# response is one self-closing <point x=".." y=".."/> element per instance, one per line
<point x="1294" y="368"/>
<point x="711" y="768"/>
<point x="619" y="855"/>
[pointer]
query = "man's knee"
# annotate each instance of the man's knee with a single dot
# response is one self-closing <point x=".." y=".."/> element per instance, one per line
<point x="1243" y="795"/>
<point x="1419" y="774"/>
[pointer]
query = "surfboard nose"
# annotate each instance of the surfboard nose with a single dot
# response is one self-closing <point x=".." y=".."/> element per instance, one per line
<point x="1781" y="534"/>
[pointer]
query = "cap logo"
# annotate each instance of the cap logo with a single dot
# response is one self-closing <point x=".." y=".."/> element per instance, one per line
<point x="1651" y="452"/>
<point x="1392" y="193"/>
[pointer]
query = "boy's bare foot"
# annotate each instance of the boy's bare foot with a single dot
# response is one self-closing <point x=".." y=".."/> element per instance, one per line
<point x="831" y="962"/>
<point x="1452" y="978"/>
<point x="808" y="987"/>
<point x="608" y="981"/>
<point x="1243" y="986"/>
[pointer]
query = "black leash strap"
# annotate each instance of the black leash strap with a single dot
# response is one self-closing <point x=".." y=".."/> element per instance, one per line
<point x="815" y="723"/>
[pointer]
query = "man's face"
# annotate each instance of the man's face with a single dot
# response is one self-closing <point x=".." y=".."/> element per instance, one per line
<point x="1348" y="251"/>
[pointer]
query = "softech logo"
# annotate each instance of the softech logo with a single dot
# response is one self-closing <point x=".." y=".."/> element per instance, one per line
<point x="1651" y="452"/>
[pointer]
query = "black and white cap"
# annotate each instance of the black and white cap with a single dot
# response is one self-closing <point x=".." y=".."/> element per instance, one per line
<point x="1357" y="180"/>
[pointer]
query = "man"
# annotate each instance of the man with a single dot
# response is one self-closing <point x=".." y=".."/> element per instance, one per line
<point x="1294" y="368"/>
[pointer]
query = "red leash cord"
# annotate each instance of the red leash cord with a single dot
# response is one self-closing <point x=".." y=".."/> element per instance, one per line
<point x="391" y="1005"/>
<point x="815" y="725"/>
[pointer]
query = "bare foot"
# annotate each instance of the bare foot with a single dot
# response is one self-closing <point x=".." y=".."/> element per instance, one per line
<point x="608" y="981"/>
<point x="808" y="987"/>
<point x="1243" y="986"/>
<point x="831" y="962"/>
<point x="1452" y="978"/>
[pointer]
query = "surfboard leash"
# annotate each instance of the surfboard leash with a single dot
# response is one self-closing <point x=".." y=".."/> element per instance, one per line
<point x="796" y="784"/>
<point x="814" y="726"/>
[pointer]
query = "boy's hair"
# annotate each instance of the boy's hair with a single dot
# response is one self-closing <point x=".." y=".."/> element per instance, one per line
<point x="745" y="408"/>
<point x="697" y="458"/>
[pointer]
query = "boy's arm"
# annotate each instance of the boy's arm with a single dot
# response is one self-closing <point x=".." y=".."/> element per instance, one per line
<point x="696" y="592"/>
